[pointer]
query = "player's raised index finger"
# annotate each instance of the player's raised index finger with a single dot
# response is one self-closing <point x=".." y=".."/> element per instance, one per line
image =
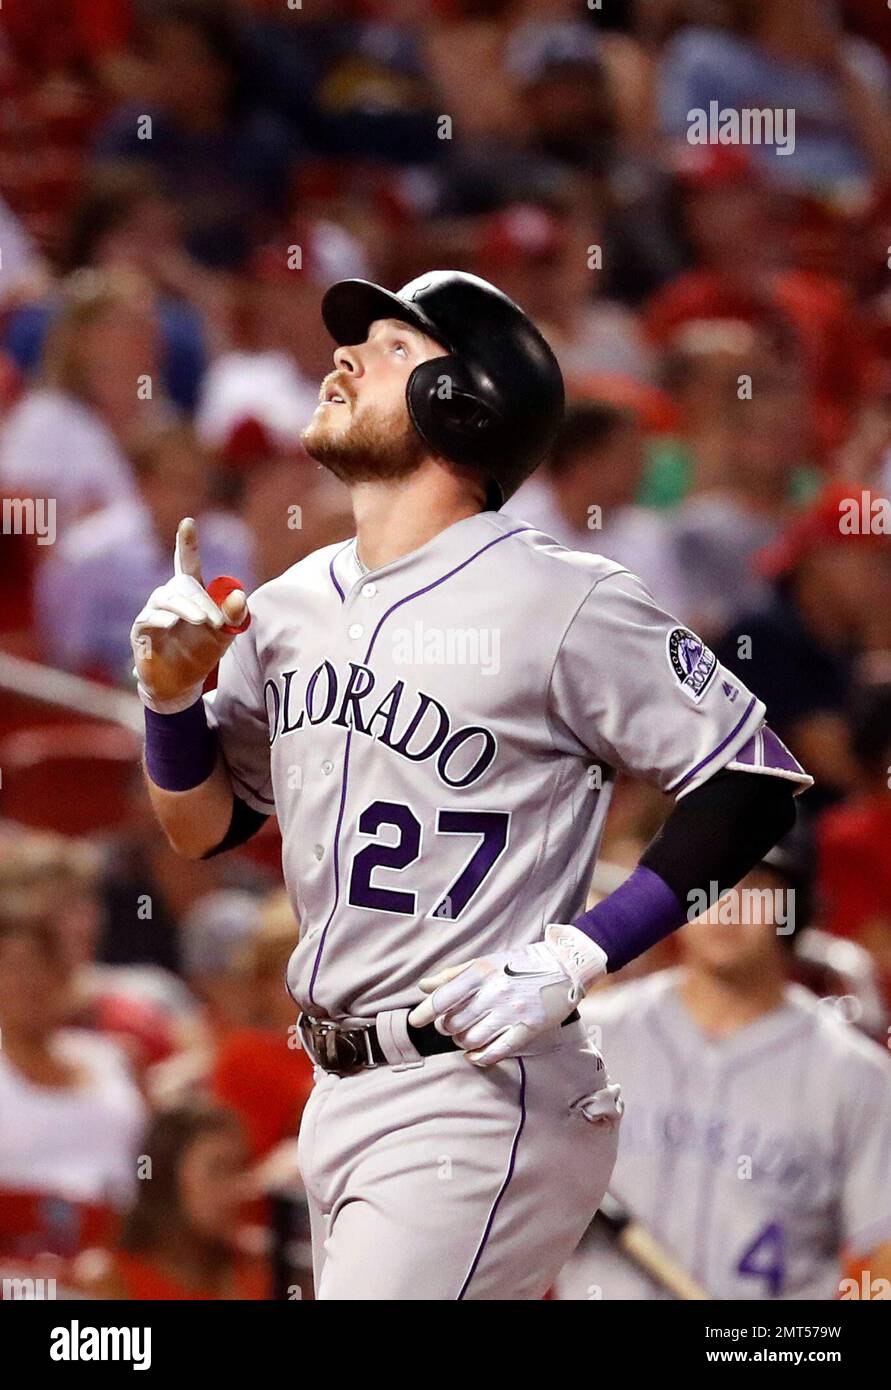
<point x="186" y="555"/>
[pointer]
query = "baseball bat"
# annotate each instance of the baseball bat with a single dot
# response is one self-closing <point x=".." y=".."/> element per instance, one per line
<point x="646" y="1252"/>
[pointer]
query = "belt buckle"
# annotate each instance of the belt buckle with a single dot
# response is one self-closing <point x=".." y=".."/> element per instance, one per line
<point x="335" y="1049"/>
<point x="349" y="1038"/>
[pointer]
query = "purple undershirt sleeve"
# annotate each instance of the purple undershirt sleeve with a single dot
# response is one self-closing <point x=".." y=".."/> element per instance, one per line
<point x="639" y="913"/>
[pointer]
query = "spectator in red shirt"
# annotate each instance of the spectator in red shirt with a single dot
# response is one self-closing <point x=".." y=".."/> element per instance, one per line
<point x="55" y="37"/>
<point x="828" y="620"/>
<point x="182" y="1240"/>
<point x="743" y="272"/>
<point x="260" y="1070"/>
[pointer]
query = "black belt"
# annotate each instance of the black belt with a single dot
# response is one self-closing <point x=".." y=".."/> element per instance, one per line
<point x="343" y="1050"/>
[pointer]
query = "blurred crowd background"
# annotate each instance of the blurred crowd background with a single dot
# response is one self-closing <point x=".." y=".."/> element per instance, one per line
<point x="180" y="181"/>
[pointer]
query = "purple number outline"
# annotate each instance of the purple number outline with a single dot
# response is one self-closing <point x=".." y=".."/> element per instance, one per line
<point x="362" y="892"/>
<point x="481" y="862"/>
<point x="492" y="826"/>
<point x="774" y="1236"/>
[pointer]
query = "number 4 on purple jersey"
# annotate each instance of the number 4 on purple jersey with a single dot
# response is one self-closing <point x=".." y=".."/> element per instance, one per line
<point x="764" y="1258"/>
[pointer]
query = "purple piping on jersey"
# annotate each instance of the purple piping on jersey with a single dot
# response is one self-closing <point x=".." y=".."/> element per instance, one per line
<point x="343" y="788"/>
<point x="504" y="1186"/>
<point x="714" y="753"/>
<point x="346" y="757"/>
<point x="436" y="582"/>
<point x="334" y="579"/>
<point x="751" y="752"/>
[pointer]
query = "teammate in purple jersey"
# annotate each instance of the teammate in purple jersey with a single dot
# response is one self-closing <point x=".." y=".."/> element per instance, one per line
<point x="756" y="1141"/>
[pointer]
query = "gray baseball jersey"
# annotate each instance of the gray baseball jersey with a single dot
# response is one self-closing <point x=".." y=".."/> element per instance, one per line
<point x="756" y="1158"/>
<point x="440" y="738"/>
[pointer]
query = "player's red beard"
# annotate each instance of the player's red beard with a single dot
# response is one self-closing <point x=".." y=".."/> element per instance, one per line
<point x="369" y="447"/>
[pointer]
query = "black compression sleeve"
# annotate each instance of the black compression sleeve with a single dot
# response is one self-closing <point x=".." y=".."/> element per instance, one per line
<point x="245" y="822"/>
<point x="720" y="831"/>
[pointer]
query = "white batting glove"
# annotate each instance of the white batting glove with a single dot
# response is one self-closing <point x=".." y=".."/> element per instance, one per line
<point x="495" y="1006"/>
<point x="181" y="633"/>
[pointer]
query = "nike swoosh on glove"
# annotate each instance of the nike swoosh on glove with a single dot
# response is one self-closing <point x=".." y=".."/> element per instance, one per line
<point x="496" y="1005"/>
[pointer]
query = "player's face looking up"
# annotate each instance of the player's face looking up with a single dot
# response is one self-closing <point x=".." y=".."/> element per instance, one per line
<point x="361" y="428"/>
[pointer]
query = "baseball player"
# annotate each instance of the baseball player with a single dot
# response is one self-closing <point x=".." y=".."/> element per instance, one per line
<point x="436" y="712"/>
<point x="756" y="1141"/>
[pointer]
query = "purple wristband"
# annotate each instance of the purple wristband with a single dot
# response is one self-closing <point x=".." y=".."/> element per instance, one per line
<point x="639" y="913"/>
<point x="180" y="749"/>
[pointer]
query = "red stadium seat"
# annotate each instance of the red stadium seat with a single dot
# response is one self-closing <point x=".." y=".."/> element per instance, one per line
<point x="35" y="1223"/>
<point x="19" y="557"/>
<point x="69" y="778"/>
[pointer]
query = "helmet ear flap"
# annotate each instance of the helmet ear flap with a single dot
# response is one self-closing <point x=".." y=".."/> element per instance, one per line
<point x="447" y="409"/>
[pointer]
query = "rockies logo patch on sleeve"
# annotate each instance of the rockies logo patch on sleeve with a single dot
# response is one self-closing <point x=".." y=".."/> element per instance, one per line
<point x="692" y="662"/>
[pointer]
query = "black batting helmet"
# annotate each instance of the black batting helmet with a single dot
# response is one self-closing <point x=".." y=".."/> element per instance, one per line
<point x="494" y="400"/>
